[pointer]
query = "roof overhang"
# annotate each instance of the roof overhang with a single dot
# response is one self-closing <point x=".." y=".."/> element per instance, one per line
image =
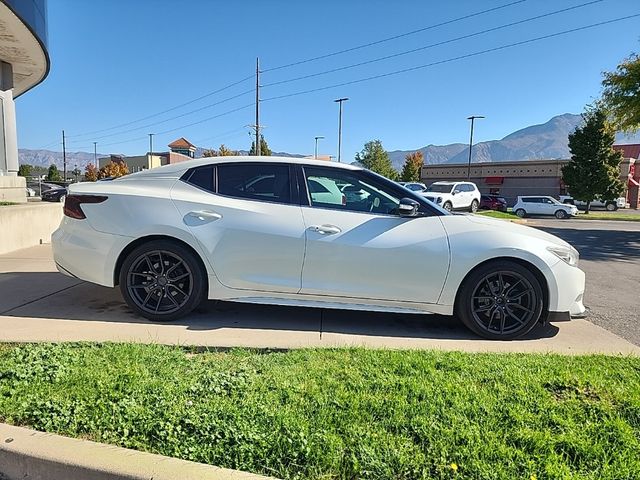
<point x="23" y="49"/>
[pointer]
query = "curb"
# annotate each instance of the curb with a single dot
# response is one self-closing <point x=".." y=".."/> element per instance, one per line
<point x="28" y="454"/>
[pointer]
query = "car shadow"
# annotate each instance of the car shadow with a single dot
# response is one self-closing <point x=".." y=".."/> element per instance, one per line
<point x="92" y="303"/>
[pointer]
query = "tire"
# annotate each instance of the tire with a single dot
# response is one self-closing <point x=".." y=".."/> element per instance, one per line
<point x="447" y="206"/>
<point x="560" y="214"/>
<point x="474" y="206"/>
<point x="162" y="280"/>
<point x="611" y="207"/>
<point x="500" y="300"/>
<point x="521" y="213"/>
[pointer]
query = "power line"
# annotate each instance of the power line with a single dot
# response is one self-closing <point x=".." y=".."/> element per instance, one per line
<point x="388" y="39"/>
<point x="453" y="59"/>
<point x="425" y="47"/>
<point x="177" y="116"/>
<point x="167" y="110"/>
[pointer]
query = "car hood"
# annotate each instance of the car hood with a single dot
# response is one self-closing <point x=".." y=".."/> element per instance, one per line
<point x="477" y="223"/>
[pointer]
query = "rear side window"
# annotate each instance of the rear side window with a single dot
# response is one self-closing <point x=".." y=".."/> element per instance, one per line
<point x="202" y="177"/>
<point x="264" y="182"/>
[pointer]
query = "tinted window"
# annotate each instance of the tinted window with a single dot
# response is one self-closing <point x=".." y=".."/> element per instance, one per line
<point x="264" y="182"/>
<point x="439" y="188"/>
<point x="202" y="177"/>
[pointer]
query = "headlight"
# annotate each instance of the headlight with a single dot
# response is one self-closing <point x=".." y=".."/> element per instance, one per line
<point x="568" y="254"/>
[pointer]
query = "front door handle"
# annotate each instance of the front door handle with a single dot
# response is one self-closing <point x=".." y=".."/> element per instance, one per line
<point x="200" y="217"/>
<point x="325" y="229"/>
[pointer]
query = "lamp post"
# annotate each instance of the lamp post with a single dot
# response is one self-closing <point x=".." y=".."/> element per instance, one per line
<point x="340" y="100"/>
<point x="472" y="118"/>
<point x="315" y="155"/>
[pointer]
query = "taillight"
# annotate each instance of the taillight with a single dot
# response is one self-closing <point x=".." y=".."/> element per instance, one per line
<point x="72" y="204"/>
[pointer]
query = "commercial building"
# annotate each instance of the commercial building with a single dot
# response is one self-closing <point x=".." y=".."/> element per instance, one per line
<point x="24" y="63"/>
<point x="179" y="151"/>
<point x="531" y="177"/>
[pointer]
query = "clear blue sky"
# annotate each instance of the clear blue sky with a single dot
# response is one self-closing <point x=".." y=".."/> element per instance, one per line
<point x="116" y="61"/>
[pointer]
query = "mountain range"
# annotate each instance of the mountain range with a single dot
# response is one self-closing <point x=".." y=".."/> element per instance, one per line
<point x="543" y="141"/>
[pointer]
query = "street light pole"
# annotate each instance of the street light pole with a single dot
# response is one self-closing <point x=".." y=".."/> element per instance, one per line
<point x="472" y="118"/>
<point x="95" y="154"/>
<point x="315" y="155"/>
<point x="340" y="100"/>
<point x="151" y="149"/>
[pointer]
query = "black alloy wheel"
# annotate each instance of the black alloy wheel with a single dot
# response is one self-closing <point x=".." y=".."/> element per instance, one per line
<point x="501" y="300"/>
<point x="162" y="280"/>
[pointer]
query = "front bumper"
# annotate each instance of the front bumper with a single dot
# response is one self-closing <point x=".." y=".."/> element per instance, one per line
<point x="570" y="282"/>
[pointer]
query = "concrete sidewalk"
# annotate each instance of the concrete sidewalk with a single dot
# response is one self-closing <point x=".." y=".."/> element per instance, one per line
<point x="38" y="304"/>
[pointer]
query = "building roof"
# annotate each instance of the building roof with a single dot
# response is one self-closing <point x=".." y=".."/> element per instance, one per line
<point x="181" y="143"/>
<point x="631" y="150"/>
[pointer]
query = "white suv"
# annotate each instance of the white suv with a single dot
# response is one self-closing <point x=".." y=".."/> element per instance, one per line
<point x="543" y="205"/>
<point x="454" y="195"/>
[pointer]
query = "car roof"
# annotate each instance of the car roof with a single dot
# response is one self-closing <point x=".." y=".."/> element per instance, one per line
<point x="176" y="169"/>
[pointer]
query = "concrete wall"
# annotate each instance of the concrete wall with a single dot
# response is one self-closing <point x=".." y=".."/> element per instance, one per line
<point x="13" y="189"/>
<point x="29" y="224"/>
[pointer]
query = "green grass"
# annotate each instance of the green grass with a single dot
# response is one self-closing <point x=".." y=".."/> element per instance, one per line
<point x="343" y="414"/>
<point x="625" y="217"/>
<point x="495" y="214"/>
<point x="6" y="204"/>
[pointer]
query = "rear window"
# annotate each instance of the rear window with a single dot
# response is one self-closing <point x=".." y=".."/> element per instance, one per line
<point x="202" y="177"/>
<point x="264" y="182"/>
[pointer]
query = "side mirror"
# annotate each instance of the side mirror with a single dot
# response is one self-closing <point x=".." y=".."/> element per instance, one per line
<point x="455" y="191"/>
<point x="408" y="207"/>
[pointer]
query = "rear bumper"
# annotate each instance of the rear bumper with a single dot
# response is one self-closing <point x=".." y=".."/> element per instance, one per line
<point x="82" y="252"/>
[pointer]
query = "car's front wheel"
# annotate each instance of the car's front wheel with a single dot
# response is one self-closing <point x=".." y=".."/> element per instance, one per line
<point x="447" y="206"/>
<point x="561" y="214"/>
<point x="501" y="300"/>
<point x="474" y="206"/>
<point x="162" y="280"/>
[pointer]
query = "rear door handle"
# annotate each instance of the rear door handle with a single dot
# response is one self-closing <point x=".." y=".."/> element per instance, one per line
<point x="200" y="217"/>
<point x="325" y="229"/>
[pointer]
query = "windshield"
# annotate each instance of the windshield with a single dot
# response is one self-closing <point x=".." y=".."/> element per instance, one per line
<point x="439" y="188"/>
<point x="554" y="200"/>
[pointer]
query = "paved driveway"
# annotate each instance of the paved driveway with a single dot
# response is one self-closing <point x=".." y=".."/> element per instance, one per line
<point x="610" y="256"/>
<point x="39" y="304"/>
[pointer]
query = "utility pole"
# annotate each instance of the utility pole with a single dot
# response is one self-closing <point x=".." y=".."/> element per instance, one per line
<point x="315" y="155"/>
<point x="257" y="107"/>
<point x="151" y="148"/>
<point x="472" y="118"/>
<point x="95" y="154"/>
<point x="340" y="100"/>
<point x="64" y="158"/>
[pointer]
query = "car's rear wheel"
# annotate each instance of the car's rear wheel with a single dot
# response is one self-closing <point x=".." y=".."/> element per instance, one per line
<point x="560" y="214"/>
<point x="501" y="300"/>
<point x="611" y="207"/>
<point x="447" y="206"/>
<point x="521" y="213"/>
<point x="162" y="280"/>
<point x="474" y="206"/>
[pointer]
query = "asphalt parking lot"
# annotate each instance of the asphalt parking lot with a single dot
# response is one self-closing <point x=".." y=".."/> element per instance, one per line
<point x="610" y="257"/>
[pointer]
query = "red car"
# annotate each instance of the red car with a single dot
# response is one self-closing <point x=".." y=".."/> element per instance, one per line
<point x="493" y="202"/>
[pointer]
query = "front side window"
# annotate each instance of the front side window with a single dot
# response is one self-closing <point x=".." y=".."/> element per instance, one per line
<point x="348" y="190"/>
<point x="255" y="181"/>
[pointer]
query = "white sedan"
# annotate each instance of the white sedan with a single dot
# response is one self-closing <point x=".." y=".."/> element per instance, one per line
<point x="250" y="229"/>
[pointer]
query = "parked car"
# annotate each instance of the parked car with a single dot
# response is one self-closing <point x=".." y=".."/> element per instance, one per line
<point x="543" y="205"/>
<point x="175" y="235"/>
<point x="54" y="195"/>
<point x="414" y="186"/>
<point x="454" y="195"/>
<point x="609" y="205"/>
<point x="493" y="202"/>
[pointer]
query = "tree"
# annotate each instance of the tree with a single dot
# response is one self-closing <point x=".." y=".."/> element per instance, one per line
<point x="210" y="152"/>
<point x="412" y="167"/>
<point x="25" y="170"/>
<point x="53" y="174"/>
<point x="221" y="152"/>
<point x="264" y="148"/>
<point x="90" y="173"/>
<point x="594" y="169"/>
<point x="375" y="158"/>
<point x="621" y="95"/>
<point x="113" y="170"/>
